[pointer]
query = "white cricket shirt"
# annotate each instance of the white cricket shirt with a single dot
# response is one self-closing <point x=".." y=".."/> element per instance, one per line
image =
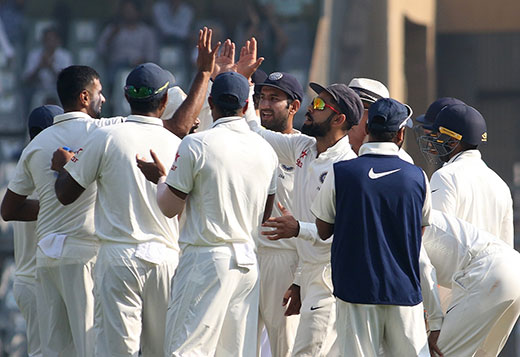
<point x="126" y="207"/>
<point x="300" y="151"/>
<point x="227" y="172"/>
<point x="34" y="174"/>
<point x="468" y="189"/>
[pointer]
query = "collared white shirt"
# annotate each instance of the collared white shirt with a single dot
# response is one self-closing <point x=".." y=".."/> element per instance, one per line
<point x="299" y="150"/>
<point x="227" y="172"/>
<point x="126" y="207"/>
<point x="33" y="174"/>
<point x="468" y="189"/>
<point x="284" y="195"/>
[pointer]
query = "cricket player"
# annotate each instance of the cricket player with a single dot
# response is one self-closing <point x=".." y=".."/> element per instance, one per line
<point x="67" y="246"/>
<point x="465" y="186"/>
<point x="25" y="289"/>
<point x="224" y="179"/>
<point x="322" y="142"/>
<point x="482" y="273"/>
<point x="376" y="206"/>
<point x="280" y="99"/>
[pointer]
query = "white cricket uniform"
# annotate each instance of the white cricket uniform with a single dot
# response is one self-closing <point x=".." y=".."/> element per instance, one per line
<point x="363" y="327"/>
<point x="139" y="250"/>
<point x="67" y="244"/>
<point x="25" y="289"/>
<point x="316" y="334"/>
<point x="482" y="272"/>
<point x="227" y="172"/>
<point x="277" y="262"/>
<point x="468" y="189"/>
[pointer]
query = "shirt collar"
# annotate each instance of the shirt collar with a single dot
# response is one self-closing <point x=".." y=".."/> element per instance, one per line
<point x="70" y="115"/>
<point x="343" y="146"/>
<point x="467" y="154"/>
<point x="230" y="121"/>
<point x="385" y="148"/>
<point x="144" y="120"/>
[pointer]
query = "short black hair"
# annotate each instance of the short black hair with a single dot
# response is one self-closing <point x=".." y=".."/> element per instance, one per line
<point x="72" y="81"/>
<point x="148" y="106"/>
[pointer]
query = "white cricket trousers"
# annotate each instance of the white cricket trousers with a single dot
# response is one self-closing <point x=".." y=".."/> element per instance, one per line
<point x="316" y="334"/>
<point x="67" y="285"/>
<point x="369" y="330"/>
<point x="132" y="299"/>
<point x="485" y="304"/>
<point x="277" y="267"/>
<point x="27" y="297"/>
<point x="213" y="308"/>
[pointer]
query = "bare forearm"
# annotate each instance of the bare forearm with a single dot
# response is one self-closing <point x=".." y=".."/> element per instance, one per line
<point x="67" y="189"/>
<point x="17" y="207"/>
<point x="184" y="118"/>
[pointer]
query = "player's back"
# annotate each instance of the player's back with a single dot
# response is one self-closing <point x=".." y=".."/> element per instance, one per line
<point x="234" y="171"/>
<point x="474" y="193"/>
<point x="126" y="206"/>
<point x="76" y="220"/>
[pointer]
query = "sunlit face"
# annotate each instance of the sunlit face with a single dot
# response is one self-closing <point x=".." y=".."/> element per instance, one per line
<point x="96" y="98"/>
<point x="317" y="122"/>
<point x="274" y="109"/>
<point x="357" y="135"/>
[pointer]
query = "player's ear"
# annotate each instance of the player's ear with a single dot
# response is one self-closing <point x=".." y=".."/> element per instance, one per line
<point x="84" y="98"/>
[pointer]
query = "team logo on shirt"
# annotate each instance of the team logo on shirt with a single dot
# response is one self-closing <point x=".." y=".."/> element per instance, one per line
<point x="174" y="167"/>
<point x="322" y="176"/>
<point x="76" y="153"/>
<point x="287" y="168"/>
<point x="299" y="162"/>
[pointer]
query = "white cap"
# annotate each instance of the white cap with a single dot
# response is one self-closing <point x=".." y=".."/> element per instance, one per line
<point x="175" y="98"/>
<point x="369" y="90"/>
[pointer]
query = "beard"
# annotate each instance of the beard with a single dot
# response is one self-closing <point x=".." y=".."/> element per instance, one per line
<point x="316" y="130"/>
<point x="278" y="122"/>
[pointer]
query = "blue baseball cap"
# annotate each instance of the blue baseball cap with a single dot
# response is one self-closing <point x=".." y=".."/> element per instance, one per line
<point x="148" y="81"/>
<point x="348" y="100"/>
<point x="285" y="82"/>
<point x="230" y="90"/>
<point x="41" y="118"/>
<point x="434" y="109"/>
<point x="388" y="115"/>
<point x="462" y="122"/>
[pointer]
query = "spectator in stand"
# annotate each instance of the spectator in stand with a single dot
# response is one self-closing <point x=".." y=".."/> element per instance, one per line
<point x="127" y="41"/>
<point x="43" y="65"/>
<point x="173" y="19"/>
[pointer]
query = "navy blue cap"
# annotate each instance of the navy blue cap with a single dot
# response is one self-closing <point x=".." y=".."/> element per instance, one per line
<point x="259" y="76"/>
<point x="434" y="109"/>
<point x="42" y="117"/>
<point x="388" y="115"/>
<point x="348" y="100"/>
<point x="147" y="81"/>
<point x="230" y="90"/>
<point x="462" y="122"/>
<point x="285" y="82"/>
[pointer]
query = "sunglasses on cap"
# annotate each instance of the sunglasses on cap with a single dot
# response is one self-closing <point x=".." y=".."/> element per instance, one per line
<point x="319" y="104"/>
<point x="143" y="92"/>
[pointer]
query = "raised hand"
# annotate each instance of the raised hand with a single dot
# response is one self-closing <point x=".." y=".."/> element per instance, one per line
<point x="225" y="61"/>
<point x="206" y="56"/>
<point x="151" y="170"/>
<point x="248" y="63"/>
